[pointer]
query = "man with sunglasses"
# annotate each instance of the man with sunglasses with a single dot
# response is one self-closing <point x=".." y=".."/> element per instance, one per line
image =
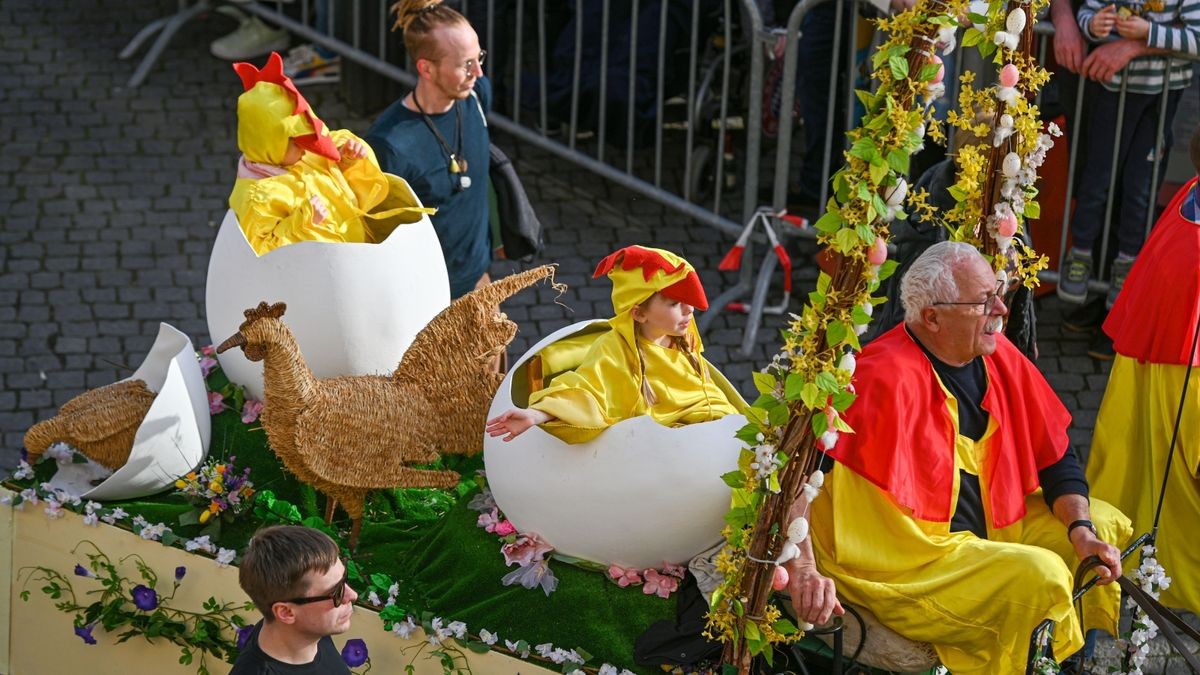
<point x="436" y="137"/>
<point x="957" y="512"/>
<point x="297" y="580"/>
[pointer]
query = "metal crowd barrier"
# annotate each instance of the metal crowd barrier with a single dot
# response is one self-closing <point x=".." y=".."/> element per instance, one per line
<point x="705" y="113"/>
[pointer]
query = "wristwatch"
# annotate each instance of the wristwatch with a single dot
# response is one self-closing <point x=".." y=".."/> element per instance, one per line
<point x="1082" y="522"/>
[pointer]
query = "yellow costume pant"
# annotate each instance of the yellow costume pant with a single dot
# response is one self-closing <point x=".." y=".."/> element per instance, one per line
<point x="976" y="601"/>
<point x="1129" y="456"/>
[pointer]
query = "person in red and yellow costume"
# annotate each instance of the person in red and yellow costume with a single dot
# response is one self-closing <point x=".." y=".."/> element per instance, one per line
<point x="957" y="512"/>
<point x="648" y="363"/>
<point x="296" y="180"/>
<point x="1153" y="324"/>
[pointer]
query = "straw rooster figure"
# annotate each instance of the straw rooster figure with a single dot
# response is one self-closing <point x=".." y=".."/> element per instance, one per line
<point x="100" y="423"/>
<point x="348" y="435"/>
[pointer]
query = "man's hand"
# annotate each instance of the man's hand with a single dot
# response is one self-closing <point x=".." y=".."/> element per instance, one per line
<point x="1133" y="27"/>
<point x="813" y="595"/>
<point x="1108" y="59"/>
<point x="1103" y="22"/>
<point x="1069" y="47"/>
<point x="1087" y="544"/>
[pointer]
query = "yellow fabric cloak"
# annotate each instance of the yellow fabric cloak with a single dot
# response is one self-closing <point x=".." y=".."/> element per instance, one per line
<point x="1129" y="456"/>
<point x="607" y="386"/>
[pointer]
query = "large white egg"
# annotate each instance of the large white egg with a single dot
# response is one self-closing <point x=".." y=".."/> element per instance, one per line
<point x="637" y="495"/>
<point x="354" y="308"/>
<point x="173" y="437"/>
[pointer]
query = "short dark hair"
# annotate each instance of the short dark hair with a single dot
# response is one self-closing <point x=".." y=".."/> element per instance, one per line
<point x="277" y="560"/>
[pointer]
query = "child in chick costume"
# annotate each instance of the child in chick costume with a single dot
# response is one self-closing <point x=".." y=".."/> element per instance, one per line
<point x="648" y="363"/>
<point x="296" y="180"/>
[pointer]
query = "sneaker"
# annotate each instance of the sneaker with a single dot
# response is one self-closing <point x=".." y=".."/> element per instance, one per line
<point x="251" y="39"/>
<point x="1101" y="347"/>
<point x="1073" y="277"/>
<point x="1085" y="318"/>
<point x="1120" y="270"/>
<point x="306" y="65"/>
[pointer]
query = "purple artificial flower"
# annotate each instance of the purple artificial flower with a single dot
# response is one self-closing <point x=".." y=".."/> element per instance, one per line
<point x="81" y="571"/>
<point x="85" y="633"/>
<point x="144" y="597"/>
<point x="179" y="572"/>
<point x="216" y="403"/>
<point x="355" y="652"/>
<point x="243" y="636"/>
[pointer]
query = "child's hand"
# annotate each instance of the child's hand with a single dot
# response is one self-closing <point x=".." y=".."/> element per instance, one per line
<point x="1133" y="27"/>
<point x="515" y="422"/>
<point x="1103" y="22"/>
<point x="320" y="211"/>
<point x="352" y="149"/>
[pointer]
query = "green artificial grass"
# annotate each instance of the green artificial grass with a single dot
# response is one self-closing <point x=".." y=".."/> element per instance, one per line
<point x="428" y="542"/>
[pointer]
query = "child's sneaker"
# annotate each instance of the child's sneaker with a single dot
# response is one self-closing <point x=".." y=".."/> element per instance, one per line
<point x="1073" y="277"/>
<point x="306" y="65"/>
<point x="251" y="39"/>
<point x="1120" y="270"/>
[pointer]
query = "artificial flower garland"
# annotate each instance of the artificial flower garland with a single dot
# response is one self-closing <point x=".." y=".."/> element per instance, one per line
<point x="808" y="384"/>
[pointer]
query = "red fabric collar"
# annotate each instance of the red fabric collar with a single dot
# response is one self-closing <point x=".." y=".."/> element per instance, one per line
<point x="904" y="440"/>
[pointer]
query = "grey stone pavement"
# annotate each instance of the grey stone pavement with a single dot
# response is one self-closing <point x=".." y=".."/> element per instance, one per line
<point x="110" y="198"/>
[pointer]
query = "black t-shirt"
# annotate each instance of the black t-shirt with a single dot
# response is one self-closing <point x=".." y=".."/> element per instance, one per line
<point x="253" y="661"/>
<point x="968" y="385"/>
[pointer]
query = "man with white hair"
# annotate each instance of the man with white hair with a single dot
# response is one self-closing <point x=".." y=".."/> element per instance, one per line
<point x="957" y="511"/>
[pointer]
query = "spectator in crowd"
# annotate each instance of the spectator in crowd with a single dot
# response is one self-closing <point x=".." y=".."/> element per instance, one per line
<point x="296" y="579"/>
<point x="1138" y="40"/>
<point x="436" y="137"/>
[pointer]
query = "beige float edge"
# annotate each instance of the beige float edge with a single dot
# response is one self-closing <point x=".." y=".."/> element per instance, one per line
<point x="36" y="638"/>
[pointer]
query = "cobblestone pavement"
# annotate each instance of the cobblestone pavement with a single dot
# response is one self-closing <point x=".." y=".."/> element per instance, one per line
<point x="110" y="199"/>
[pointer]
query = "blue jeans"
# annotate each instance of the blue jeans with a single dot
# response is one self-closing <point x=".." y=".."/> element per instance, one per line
<point x="1135" y="163"/>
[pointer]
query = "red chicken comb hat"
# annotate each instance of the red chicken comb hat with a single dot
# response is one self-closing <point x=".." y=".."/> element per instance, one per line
<point x="678" y="279"/>
<point x="319" y="141"/>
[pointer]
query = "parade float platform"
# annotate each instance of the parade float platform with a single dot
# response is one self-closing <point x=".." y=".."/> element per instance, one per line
<point x="424" y="541"/>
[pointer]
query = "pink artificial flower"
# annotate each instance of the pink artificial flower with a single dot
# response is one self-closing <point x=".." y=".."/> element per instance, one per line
<point x="487" y="520"/>
<point x="206" y="365"/>
<point x="674" y="570"/>
<point x="526" y="549"/>
<point x="216" y="403"/>
<point x="250" y="410"/>
<point x="208" y="350"/>
<point x="504" y="528"/>
<point x="662" y="585"/>
<point x="624" y="577"/>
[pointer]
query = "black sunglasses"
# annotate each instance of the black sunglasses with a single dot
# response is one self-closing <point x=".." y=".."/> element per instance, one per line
<point x="336" y="595"/>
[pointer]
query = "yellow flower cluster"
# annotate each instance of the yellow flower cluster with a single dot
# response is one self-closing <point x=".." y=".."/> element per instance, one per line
<point x="218" y="487"/>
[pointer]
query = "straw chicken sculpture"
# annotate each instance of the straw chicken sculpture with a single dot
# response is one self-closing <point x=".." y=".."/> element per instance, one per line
<point x="100" y="423"/>
<point x="348" y="435"/>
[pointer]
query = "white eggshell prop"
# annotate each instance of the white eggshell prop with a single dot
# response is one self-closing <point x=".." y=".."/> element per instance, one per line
<point x="637" y="495"/>
<point x="173" y="437"/>
<point x="354" y="308"/>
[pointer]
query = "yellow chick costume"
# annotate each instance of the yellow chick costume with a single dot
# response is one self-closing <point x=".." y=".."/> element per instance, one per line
<point x="273" y="202"/>
<point x="607" y="387"/>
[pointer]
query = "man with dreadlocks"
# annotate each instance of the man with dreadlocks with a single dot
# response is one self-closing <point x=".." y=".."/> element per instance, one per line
<point x="436" y="137"/>
<point x="648" y="363"/>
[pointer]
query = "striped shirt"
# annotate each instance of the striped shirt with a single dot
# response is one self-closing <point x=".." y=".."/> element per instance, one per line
<point x="1176" y="27"/>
